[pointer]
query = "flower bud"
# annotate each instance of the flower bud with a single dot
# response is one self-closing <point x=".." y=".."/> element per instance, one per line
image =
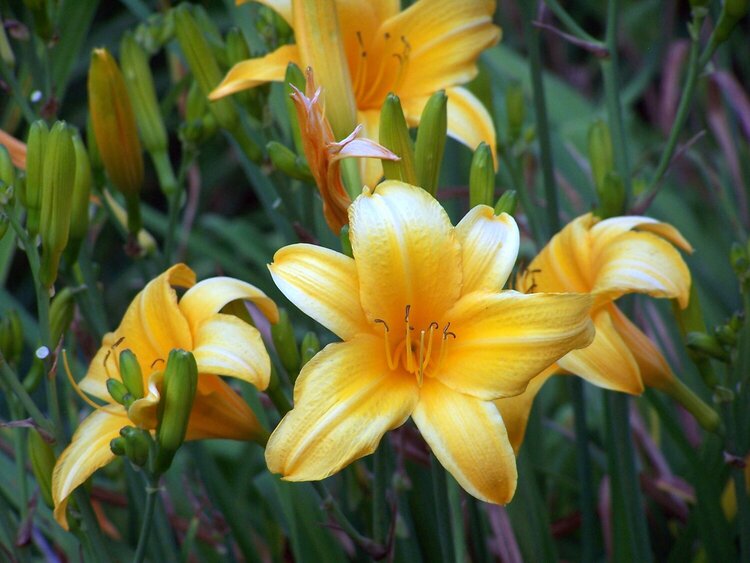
<point x="6" y="52"/>
<point x="57" y="199"/>
<point x="430" y="145"/>
<point x="507" y="203"/>
<point x="289" y="163"/>
<point x="140" y="85"/>
<point x="731" y="13"/>
<point x="40" y="17"/>
<point x="11" y="337"/>
<point x="43" y="461"/>
<point x="130" y="371"/>
<point x="515" y="107"/>
<point x="236" y="52"/>
<point x="61" y="312"/>
<point x="137" y="444"/>
<point x="115" y="130"/>
<point x="95" y="159"/>
<point x="706" y="345"/>
<point x="309" y="347"/>
<point x="394" y="135"/>
<point x="79" y="213"/>
<point x="117" y="445"/>
<point x="346" y="243"/>
<point x="482" y="177"/>
<point x="286" y="346"/>
<point x="119" y="392"/>
<point x="600" y="152"/>
<point x="7" y="170"/>
<point x="611" y="196"/>
<point x="31" y="195"/>
<point x="178" y="393"/>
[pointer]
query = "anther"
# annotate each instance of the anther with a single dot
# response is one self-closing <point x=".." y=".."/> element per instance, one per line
<point x="385" y="324"/>
<point x="117" y="342"/>
<point x="155" y="362"/>
<point x="446" y="332"/>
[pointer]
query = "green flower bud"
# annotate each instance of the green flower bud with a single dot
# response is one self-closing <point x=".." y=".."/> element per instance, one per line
<point x="611" y="196"/>
<point x="43" y="461"/>
<point x="130" y="371"/>
<point x="238" y="51"/>
<point x="31" y="195"/>
<point x="309" y="347"/>
<point x="394" y="135"/>
<point x="289" y="163"/>
<point x="731" y="13"/>
<point x="726" y="335"/>
<point x="600" y="153"/>
<point x="507" y="203"/>
<point x="737" y="321"/>
<point x="196" y="103"/>
<point x="7" y="171"/>
<point x="430" y="145"/>
<point x="57" y="199"/>
<point x="118" y="391"/>
<point x="79" y="214"/>
<point x="140" y="85"/>
<point x="178" y="393"/>
<point x="515" y="107"/>
<point x="61" y="312"/>
<point x="6" y="52"/>
<point x="346" y="243"/>
<point x="137" y="444"/>
<point x="95" y="159"/>
<point x="117" y="445"/>
<point x="40" y="17"/>
<point x="286" y="346"/>
<point x="294" y="77"/>
<point x="706" y="345"/>
<point x="11" y="336"/>
<point x="482" y="177"/>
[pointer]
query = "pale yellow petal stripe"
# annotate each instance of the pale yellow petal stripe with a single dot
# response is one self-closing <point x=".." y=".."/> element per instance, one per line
<point x="489" y="247"/>
<point x="345" y="399"/>
<point x="87" y="452"/>
<point x="254" y="72"/>
<point x="505" y="339"/>
<point x="406" y="255"/>
<point x="226" y="345"/>
<point x="607" y="362"/>
<point x="323" y="284"/>
<point x="468" y="437"/>
<point x="370" y="169"/>
<point x="208" y="297"/>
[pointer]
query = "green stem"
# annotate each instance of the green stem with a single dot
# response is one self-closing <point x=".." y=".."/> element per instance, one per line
<point x="15" y="91"/>
<point x="440" y="489"/>
<point x="20" y="458"/>
<point x="277" y="395"/>
<point x="380" y="481"/>
<point x="568" y="21"/>
<point x="528" y="206"/>
<point x="11" y="380"/>
<point x="456" y="519"/>
<point x="152" y="491"/>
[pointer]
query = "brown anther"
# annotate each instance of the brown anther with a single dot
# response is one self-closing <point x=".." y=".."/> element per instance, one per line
<point x="385" y="324"/>
<point x="155" y="361"/>
<point x="446" y="332"/>
<point x="117" y="342"/>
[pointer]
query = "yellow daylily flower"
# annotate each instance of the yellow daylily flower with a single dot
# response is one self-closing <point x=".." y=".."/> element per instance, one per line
<point x="608" y="258"/>
<point x="427" y="333"/>
<point x="155" y="323"/>
<point x="432" y="45"/>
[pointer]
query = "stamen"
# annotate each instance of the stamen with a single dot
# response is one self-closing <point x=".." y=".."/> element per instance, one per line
<point x="155" y="361"/>
<point x="432" y="327"/>
<point x="409" y="359"/>
<point x="403" y="60"/>
<point x="388" y="358"/>
<point x="81" y="394"/>
<point x="420" y="375"/>
<point x="446" y="332"/>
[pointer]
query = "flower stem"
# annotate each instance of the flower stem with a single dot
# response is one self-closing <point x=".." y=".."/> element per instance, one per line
<point x="442" y="510"/>
<point x="11" y="379"/>
<point x="457" y="519"/>
<point x="380" y="481"/>
<point x="152" y="490"/>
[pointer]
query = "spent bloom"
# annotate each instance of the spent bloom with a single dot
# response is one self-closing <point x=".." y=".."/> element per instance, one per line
<point x="156" y="323"/>
<point x="432" y="45"/>
<point x="427" y="333"/>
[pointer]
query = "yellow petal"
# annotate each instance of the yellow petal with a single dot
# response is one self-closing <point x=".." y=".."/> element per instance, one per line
<point x="219" y="412"/>
<point x="345" y="399"/>
<point x="101" y="368"/>
<point x="370" y="169"/>
<point x="87" y="452"/>
<point x="406" y="255"/>
<point x="607" y="362"/>
<point x="323" y="284"/>
<point x="654" y="368"/>
<point x="254" y="72"/>
<point x="226" y="345"/>
<point x="640" y="262"/>
<point x="489" y="247"/>
<point x="468" y="437"/>
<point x="153" y="325"/>
<point x="515" y="410"/>
<point x="505" y="339"/>
<point x="605" y="231"/>
<point x="208" y="297"/>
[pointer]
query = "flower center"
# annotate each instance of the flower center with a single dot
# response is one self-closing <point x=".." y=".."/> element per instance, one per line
<point x="374" y="77"/>
<point x="416" y="350"/>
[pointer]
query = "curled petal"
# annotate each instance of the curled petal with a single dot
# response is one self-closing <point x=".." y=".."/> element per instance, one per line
<point x="254" y="72"/>
<point x="468" y="436"/>
<point x="370" y="169"/>
<point x="605" y="231"/>
<point x="345" y="399"/>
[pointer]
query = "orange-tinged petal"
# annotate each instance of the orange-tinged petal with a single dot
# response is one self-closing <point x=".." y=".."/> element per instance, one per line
<point x="505" y="339"/>
<point x="219" y="412"/>
<point x="226" y="345"/>
<point x="208" y="297"/>
<point x="489" y="247"/>
<point x="406" y="254"/>
<point x="468" y="437"/>
<point x="640" y="262"/>
<point x="323" y="284"/>
<point x="254" y="72"/>
<point x="87" y="452"/>
<point x="607" y="362"/>
<point x="654" y="368"/>
<point x="345" y="399"/>
<point x="515" y="410"/>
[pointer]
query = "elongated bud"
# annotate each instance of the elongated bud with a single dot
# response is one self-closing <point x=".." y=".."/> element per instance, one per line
<point x="394" y="135"/>
<point x="515" y="107"/>
<point x="294" y="78"/>
<point x="707" y="345"/>
<point x="140" y="85"/>
<point x="79" y="213"/>
<point x="7" y="170"/>
<point x="611" y="196"/>
<point x="704" y="414"/>
<point x="430" y="145"/>
<point x="600" y="152"/>
<point x="285" y="343"/>
<point x="178" y="393"/>
<point x="95" y="159"/>
<point x="507" y="203"/>
<point x="309" y="347"/>
<point x="115" y="130"/>
<point x="137" y="443"/>
<point x="119" y="392"/>
<point x="731" y="13"/>
<point x="130" y="371"/>
<point x="482" y="177"/>
<point x="57" y="199"/>
<point x="43" y="461"/>
<point x="31" y="195"/>
<point x="11" y="336"/>
<point x="289" y="163"/>
<point x="61" y="312"/>
<point x="321" y="45"/>
<point x="117" y="445"/>
<point x="236" y="52"/>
